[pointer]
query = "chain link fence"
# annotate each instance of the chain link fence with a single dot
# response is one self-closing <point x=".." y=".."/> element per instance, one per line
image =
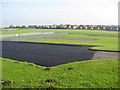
<point x="30" y="36"/>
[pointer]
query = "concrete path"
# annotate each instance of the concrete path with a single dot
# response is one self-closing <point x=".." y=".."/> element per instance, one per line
<point x="105" y="55"/>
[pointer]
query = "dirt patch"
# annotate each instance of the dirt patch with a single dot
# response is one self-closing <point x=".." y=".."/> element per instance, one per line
<point x="7" y="82"/>
<point x="50" y="80"/>
<point x="70" y="68"/>
<point x="73" y="38"/>
<point x="51" y="88"/>
<point x="105" y="55"/>
<point x="47" y="69"/>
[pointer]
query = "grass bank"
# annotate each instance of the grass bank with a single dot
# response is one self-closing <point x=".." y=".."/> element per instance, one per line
<point x="85" y="74"/>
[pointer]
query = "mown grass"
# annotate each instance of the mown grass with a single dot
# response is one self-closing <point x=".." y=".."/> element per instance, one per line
<point x="103" y="43"/>
<point x="85" y="74"/>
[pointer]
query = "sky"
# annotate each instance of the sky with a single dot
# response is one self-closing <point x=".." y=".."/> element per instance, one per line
<point x="49" y="12"/>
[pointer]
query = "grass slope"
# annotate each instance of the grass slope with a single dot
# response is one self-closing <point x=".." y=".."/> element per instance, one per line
<point x="85" y="74"/>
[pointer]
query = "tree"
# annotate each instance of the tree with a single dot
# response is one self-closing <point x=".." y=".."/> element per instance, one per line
<point x="11" y="26"/>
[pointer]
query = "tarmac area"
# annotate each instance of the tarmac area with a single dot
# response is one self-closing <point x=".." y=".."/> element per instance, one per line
<point x="47" y="55"/>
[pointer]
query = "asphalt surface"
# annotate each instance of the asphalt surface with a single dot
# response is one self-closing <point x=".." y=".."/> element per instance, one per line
<point x="45" y="54"/>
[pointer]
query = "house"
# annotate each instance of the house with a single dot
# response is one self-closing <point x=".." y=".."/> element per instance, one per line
<point x="74" y="26"/>
<point x="32" y="26"/>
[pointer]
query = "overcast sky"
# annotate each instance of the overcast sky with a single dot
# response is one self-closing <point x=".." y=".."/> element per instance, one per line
<point x="45" y="12"/>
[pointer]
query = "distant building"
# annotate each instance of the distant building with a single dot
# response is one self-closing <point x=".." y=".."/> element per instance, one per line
<point x="68" y="26"/>
<point x="32" y="26"/>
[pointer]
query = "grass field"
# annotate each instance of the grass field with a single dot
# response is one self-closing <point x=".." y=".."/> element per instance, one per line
<point x="102" y="73"/>
<point x="85" y="74"/>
